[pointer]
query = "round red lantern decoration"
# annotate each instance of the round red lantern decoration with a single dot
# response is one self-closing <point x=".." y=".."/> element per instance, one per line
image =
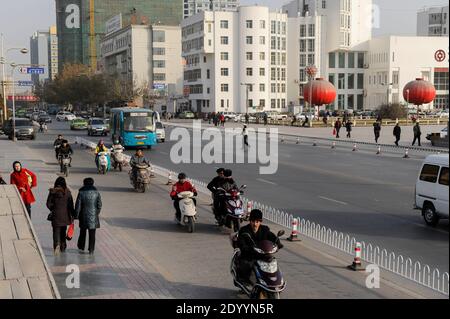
<point x="419" y="92"/>
<point x="322" y="92"/>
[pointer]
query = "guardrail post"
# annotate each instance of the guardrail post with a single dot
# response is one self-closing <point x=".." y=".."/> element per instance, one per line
<point x="406" y="154"/>
<point x="333" y="145"/>
<point x="294" y="232"/>
<point x="169" y="181"/>
<point x="298" y="140"/>
<point x="379" y="150"/>
<point x="356" y="265"/>
<point x="249" y="207"/>
<point x="354" y="147"/>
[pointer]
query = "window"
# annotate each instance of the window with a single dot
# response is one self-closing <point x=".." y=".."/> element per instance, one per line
<point x="262" y="72"/>
<point x="283" y="44"/>
<point x="272" y="103"/>
<point x="249" y="72"/>
<point x="159" y="36"/>
<point x="360" y="80"/>
<point x="341" y="81"/>
<point x="262" y="56"/>
<point x="224" y="40"/>
<point x="283" y="58"/>
<point x="262" y="87"/>
<point x="441" y="81"/>
<point x="310" y="59"/>
<point x="273" y="27"/>
<point x="224" y="72"/>
<point x="341" y="101"/>
<point x="283" y="74"/>
<point x="429" y="173"/>
<point x="159" y="63"/>
<point x="224" y="87"/>
<point x="283" y="88"/>
<point x="273" y="58"/>
<point x="360" y="60"/>
<point x="249" y="24"/>
<point x="443" y="178"/>
<point x="302" y="45"/>
<point x="341" y="59"/>
<point x="208" y="74"/>
<point x="273" y="88"/>
<point x="159" y="77"/>
<point x="324" y="4"/>
<point x="224" y="56"/>
<point x="302" y="30"/>
<point x="311" y="43"/>
<point x="224" y="24"/>
<point x="350" y="81"/>
<point x="159" y="51"/>
<point x="350" y="101"/>
<point x="249" y="56"/>
<point x="273" y="74"/>
<point x="249" y="40"/>
<point x="351" y="60"/>
<point x="262" y="103"/>
<point x="331" y="60"/>
<point x="273" y="43"/>
<point x="209" y="28"/>
<point x="302" y="60"/>
<point x="331" y="78"/>
<point x="204" y="59"/>
<point x="262" y="40"/>
<point x="222" y="103"/>
<point x="262" y="24"/>
<point x="311" y="30"/>
<point x="360" y="101"/>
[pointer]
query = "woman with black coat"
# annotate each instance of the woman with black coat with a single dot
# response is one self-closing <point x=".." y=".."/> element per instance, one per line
<point x="60" y="204"/>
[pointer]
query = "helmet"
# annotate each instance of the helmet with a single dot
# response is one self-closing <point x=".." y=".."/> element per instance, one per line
<point x="100" y="142"/>
<point x="182" y="176"/>
<point x="256" y="214"/>
<point x="228" y="173"/>
<point x="220" y="170"/>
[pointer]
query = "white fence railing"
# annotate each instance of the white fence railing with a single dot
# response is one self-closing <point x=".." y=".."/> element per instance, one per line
<point x="397" y="264"/>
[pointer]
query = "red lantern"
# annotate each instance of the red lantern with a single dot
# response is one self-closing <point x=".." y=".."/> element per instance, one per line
<point x="322" y="92"/>
<point x="419" y="92"/>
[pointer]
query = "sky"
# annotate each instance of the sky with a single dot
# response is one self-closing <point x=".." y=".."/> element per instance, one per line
<point x="20" y="18"/>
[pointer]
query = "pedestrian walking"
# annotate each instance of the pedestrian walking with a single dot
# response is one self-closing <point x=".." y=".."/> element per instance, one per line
<point x="60" y="204"/>
<point x="337" y="127"/>
<point x="24" y="180"/>
<point x="348" y="126"/>
<point x="265" y="118"/>
<point x="306" y="121"/>
<point x="397" y="132"/>
<point x="245" y="134"/>
<point x="376" y="130"/>
<point x="222" y="120"/>
<point x="247" y="117"/>
<point x="87" y="209"/>
<point x="417" y="133"/>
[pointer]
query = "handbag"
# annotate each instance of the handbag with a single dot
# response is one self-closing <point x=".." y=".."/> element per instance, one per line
<point x="30" y="179"/>
<point x="70" y="232"/>
<point x="334" y="131"/>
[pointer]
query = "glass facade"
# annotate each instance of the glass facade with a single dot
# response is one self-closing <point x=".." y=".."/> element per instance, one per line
<point x="73" y="22"/>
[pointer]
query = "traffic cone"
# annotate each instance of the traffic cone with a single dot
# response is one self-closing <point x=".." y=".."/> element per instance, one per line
<point x="314" y="143"/>
<point x="333" y="145"/>
<point x="356" y="265"/>
<point x="169" y="181"/>
<point x="379" y="150"/>
<point x="406" y="154"/>
<point x="294" y="233"/>
<point x="354" y="147"/>
<point x="298" y="140"/>
<point x="249" y="207"/>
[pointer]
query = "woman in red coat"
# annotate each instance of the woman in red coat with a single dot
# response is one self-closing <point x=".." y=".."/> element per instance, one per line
<point x="24" y="180"/>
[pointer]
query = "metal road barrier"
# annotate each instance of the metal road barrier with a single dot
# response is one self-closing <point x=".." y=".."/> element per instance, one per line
<point x="397" y="264"/>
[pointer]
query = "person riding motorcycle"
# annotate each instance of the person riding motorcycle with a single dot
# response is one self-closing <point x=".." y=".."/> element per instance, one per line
<point x="65" y="149"/>
<point x="138" y="159"/>
<point x="183" y="185"/>
<point x="212" y="186"/>
<point x="57" y="144"/>
<point x="100" y="148"/>
<point x="228" y="184"/>
<point x="249" y="236"/>
<point x="116" y="147"/>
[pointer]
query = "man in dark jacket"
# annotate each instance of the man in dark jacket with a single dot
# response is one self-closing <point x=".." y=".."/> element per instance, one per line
<point x="64" y="150"/>
<point x="249" y="236"/>
<point x="212" y="186"/>
<point x="337" y="127"/>
<point x="87" y="210"/>
<point x="397" y="132"/>
<point x="60" y="204"/>
<point x="57" y="143"/>
<point x="376" y="130"/>
<point x="228" y="184"/>
<point x="348" y="126"/>
<point x="417" y="134"/>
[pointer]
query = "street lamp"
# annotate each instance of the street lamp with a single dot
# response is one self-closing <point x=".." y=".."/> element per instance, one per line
<point x="13" y="67"/>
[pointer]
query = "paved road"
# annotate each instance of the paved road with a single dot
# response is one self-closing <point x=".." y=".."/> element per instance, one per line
<point x="181" y="265"/>
<point x="367" y="196"/>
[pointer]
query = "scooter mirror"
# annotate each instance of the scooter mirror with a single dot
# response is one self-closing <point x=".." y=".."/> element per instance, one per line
<point x="243" y="186"/>
<point x="281" y="233"/>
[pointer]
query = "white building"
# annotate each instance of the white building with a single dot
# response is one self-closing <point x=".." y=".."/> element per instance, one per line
<point x="433" y="22"/>
<point x="192" y="7"/>
<point x="44" y="52"/>
<point x="147" y="55"/>
<point x="396" y="60"/>
<point x="332" y="35"/>
<point x="228" y="53"/>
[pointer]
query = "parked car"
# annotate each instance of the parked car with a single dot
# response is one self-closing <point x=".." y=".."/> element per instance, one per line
<point x="431" y="191"/>
<point x="44" y="118"/>
<point x="229" y="115"/>
<point x="65" y="116"/>
<point x="97" y="126"/>
<point x="186" y="115"/>
<point x="79" y="124"/>
<point x="24" y="129"/>
<point x="443" y="113"/>
<point x="160" y="132"/>
<point x="302" y="116"/>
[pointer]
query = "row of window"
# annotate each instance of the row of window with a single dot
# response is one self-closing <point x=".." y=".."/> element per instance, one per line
<point x="277" y="27"/>
<point x="353" y="60"/>
<point x="274" y="87"/>
<point x="347" y="81"/>
<point x="311" y="30"/>
<point x="430" y="174"/>
<point x="311" y="45"/>
<point x="194" y="44"/>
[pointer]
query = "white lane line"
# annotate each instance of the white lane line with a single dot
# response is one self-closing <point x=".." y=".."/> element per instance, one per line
<point x="165" y="153"/>
<point x="265" y="181"/>
<point x="333" y="200"/>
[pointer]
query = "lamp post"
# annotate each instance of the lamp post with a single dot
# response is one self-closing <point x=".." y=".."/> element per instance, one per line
<point x="13" y="68"/>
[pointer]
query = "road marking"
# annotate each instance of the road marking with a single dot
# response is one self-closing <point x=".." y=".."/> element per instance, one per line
<point x="265" y="181"/>
<point x="333" y="200"/>
<point x="165" y="153"/>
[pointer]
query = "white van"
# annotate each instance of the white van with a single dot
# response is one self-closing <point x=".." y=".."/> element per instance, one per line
<point x="431" y="193"/>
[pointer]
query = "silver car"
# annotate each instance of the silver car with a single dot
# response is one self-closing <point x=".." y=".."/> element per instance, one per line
<point x="97" y="126"/>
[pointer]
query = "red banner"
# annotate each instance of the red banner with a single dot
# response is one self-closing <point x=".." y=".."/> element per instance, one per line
<point x="23" y="98"/>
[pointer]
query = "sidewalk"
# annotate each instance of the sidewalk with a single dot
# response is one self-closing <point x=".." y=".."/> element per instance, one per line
<point x="141" y="253"/>
<point x="23" y="270"/>
<point x="359" y="134"/>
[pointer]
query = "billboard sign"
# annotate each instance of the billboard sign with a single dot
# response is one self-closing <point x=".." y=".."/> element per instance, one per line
<point x="113" y="24"/>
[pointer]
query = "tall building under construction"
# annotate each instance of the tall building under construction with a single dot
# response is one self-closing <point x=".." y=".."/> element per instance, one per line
<point x="82" y="23"/>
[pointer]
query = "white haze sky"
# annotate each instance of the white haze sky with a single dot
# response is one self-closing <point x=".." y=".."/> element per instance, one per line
<point x="20" y="18"/>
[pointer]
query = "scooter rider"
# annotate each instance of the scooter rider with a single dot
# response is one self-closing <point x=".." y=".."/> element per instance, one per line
<point x="65" y="149"/>
<point x="57" y="144"/>
<point x="100" y="148"/>
<point x="183" y="185"/>
<point x="138" y="159"/>
<point x="212" y="186"/>
<point x="116" y="147"/>
<point x="249" y="236"/>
